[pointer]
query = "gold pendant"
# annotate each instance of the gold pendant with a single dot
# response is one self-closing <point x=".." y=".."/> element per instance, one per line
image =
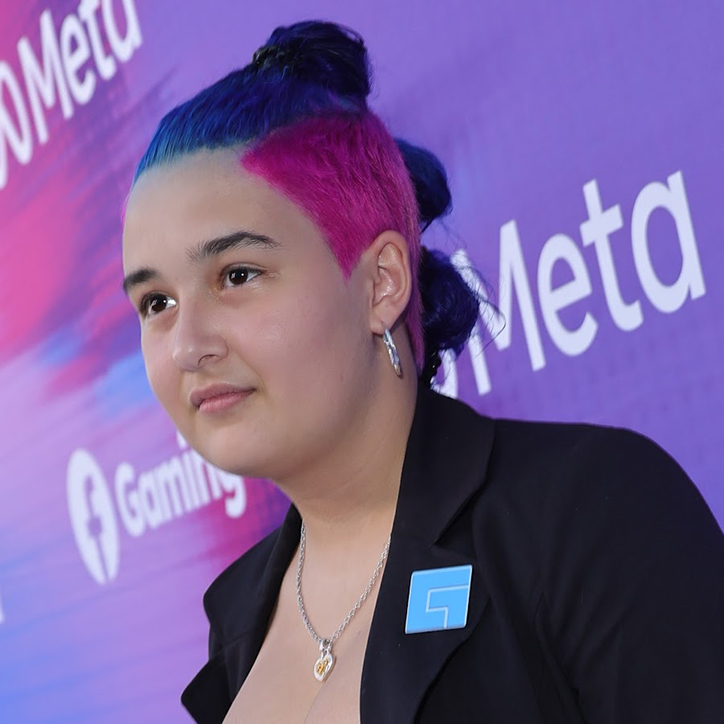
<point x="324" y="664"/>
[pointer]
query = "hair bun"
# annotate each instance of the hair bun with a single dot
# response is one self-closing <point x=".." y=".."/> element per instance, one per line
<point x="270" y="56"/>
<point x="320" y="52"/>
<point x="450" y="308"/>
<point x="430" y="182"/>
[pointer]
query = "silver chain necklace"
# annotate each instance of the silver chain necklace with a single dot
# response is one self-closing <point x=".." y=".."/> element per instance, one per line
<point x="323" y="665"/>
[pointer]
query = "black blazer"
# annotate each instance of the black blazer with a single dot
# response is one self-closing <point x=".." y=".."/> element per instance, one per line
<point x="597" y="590"/>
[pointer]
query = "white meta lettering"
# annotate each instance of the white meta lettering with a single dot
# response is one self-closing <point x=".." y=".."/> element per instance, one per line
<point x="561" y="248"/>
<point x="106" y="64"/>
<point x="513" y="279"/>
<point x="17" y="137"/>
<point x="42" y="80"/>
<point x="597" y="230"/>
<point x="75" y="52"/>
<point x="690" y="283"/>
<point x="122" y="47"/>
<point x="62" y="74"/>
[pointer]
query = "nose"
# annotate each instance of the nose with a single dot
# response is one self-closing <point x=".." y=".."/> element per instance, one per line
<point x="198" y="339"/>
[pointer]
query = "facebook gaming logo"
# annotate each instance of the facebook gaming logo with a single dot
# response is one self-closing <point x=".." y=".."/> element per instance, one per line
<point x="438" y="599"/>
<point x="92" y="517"/>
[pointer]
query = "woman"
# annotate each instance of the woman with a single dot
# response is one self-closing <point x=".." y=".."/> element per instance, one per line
<point x="435" y="565"/>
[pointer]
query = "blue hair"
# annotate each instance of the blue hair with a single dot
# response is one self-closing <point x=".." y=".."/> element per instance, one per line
<point x="313" y="68"/>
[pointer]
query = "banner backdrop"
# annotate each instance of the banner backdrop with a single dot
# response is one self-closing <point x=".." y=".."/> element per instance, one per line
<point x="584" y="148"/>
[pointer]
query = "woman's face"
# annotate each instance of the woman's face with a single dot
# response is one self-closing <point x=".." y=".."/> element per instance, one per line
<point x="254" y="343"/>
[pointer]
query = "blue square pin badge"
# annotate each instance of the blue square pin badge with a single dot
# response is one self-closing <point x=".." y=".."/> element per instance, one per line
<point x="438" y="599"/>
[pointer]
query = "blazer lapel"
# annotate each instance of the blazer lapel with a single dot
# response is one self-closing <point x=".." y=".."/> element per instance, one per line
<point x="445" y="465"/>
<point x="207" y="696"/>
<point x="242" y="626"/>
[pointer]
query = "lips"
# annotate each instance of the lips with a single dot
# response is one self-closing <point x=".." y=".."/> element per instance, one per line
<point x="217" y="396"/>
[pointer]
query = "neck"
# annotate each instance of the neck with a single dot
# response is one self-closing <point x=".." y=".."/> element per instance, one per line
<point x="348" y="500"/>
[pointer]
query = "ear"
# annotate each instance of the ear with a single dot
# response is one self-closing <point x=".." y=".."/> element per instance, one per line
<point x="387" y="267"/>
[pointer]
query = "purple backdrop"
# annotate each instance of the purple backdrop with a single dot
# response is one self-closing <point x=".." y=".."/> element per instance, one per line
<point x="584" y="150"/>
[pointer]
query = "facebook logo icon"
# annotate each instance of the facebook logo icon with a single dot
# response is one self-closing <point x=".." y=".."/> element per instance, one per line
<point x="92" y="517"/>
<point x="438" y="599"/>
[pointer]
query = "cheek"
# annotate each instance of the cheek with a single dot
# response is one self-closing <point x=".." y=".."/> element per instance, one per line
<point x="159" y="368"/>
<point x="318" y="337"/>
<point x="317" y="324"/>
<point x="294" y="339"/>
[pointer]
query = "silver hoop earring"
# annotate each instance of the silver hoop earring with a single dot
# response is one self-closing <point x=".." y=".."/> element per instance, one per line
<point x="392" y="351"/>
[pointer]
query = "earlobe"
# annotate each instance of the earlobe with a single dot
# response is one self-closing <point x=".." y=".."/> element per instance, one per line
<point x="391" y="280"/>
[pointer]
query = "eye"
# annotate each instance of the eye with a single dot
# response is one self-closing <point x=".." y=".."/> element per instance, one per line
<point x="153" y="304"/>
<point x="238" y="275"/>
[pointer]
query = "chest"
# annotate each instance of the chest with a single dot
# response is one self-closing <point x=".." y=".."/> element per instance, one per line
<point x="281" y="686"/>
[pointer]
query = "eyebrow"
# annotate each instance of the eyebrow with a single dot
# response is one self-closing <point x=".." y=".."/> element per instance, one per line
<point x="239" y="239"/>
<point x="139" y="276"/>
<point x="205" y="250"/>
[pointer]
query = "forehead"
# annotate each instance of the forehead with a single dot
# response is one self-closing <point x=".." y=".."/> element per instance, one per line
<point x="205" y="195"/>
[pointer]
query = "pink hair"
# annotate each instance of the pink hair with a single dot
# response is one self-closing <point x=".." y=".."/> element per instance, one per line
<point x="348" y="174"/>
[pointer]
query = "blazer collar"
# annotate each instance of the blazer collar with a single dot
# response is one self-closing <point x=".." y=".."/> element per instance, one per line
<point x="444" y="466"/>
<point x="445" y="462"/>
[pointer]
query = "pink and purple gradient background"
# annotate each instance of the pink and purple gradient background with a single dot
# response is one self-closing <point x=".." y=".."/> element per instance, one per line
<point x="524" y="103"/>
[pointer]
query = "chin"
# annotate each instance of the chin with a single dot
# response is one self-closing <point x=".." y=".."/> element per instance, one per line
<point x="225" y="452"/>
